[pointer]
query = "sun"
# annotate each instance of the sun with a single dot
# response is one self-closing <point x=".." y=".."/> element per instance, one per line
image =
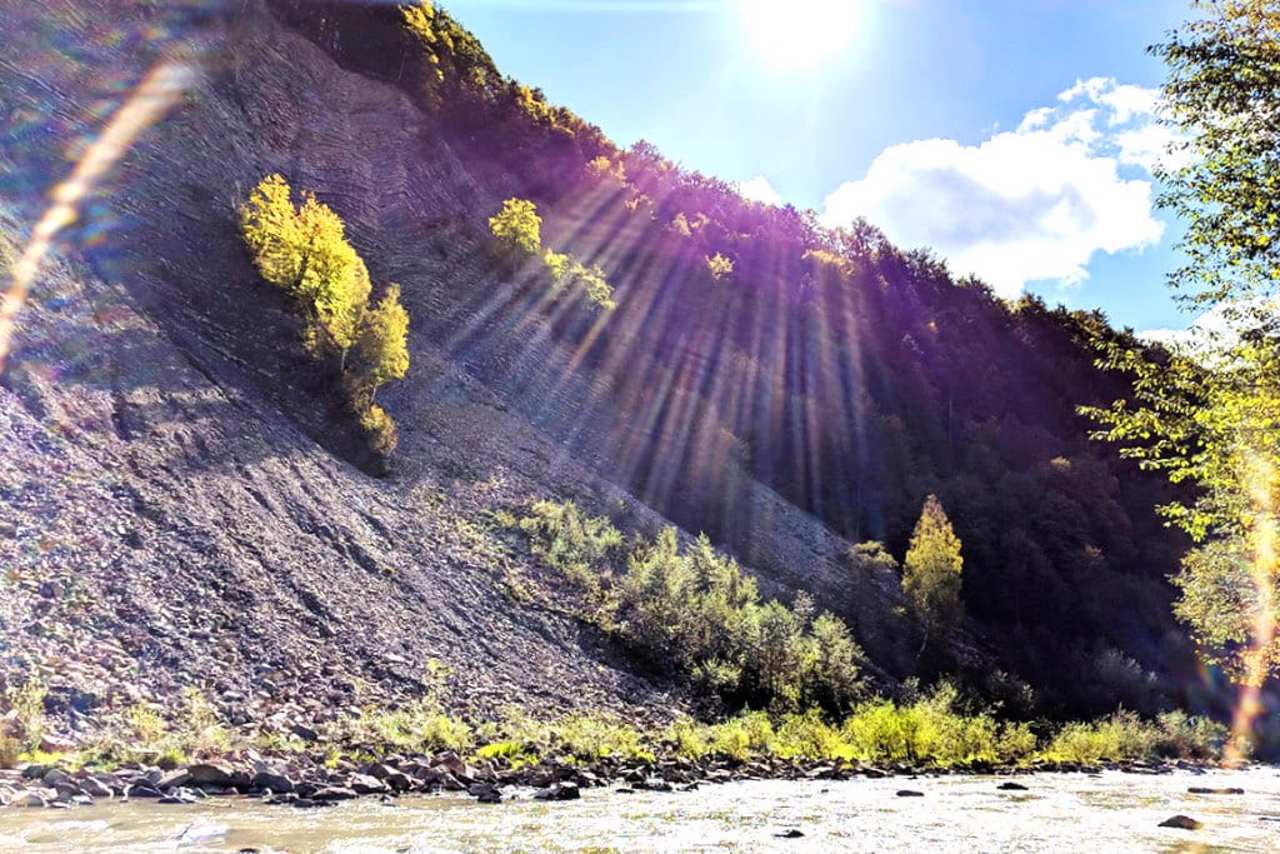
<point x="799" y="34"/>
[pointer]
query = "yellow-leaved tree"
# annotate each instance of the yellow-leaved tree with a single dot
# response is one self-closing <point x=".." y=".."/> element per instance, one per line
<point x="269" y="223"/>
<point x="931" y="570"/>
<point x="305" y="251"/>
<point x="384" y="349"/>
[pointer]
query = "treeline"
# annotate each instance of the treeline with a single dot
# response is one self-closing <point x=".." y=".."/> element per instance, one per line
<point x="304" y="250"/>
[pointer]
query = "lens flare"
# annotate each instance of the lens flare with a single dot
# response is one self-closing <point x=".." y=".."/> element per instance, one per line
<point x="1258" y="660"/>
<point x="153" y="98"/>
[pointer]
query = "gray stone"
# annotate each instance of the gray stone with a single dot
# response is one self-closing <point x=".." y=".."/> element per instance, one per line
<point x="1182" y="822"/>
<point x="558" y="792"/>
<point x="272" y="780"/>
<point x="333" y="793"/>
<point x="365" y="784"/>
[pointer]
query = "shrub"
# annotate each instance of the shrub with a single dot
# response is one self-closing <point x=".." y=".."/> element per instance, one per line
<point x="933" y="730"/>
<point x="592" y="737"/>
<point x="808" y="736"/>
<point x="27" y="703"/>
<point x="695" y="610"/>
<point x="741" y="736"/>
<point x="1189" y="737"/>
<point x="571" y="542"/>
<point x="1122" y="736"/>
<point x="379" y="429"/>
<point x="517" y="229"/>
<point x="689" y="738"/>
<point x="568" y="273"/>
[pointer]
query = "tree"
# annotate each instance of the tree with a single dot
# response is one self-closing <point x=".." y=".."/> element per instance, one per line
<point x="384" y="349"/>
<point x="306" y="252"/>
<point x="1209" y="414"/>
<point x="719" y="267"/>
<point x="269" y="223"/>
<point x="517" y="228"/>
<point x="832" y="673"/>
<point x="333" y="281"/>
<point x="931" y="570"/>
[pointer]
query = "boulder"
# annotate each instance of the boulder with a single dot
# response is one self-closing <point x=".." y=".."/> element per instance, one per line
<point x="1012" y="787"/>
<point x="365" y="784"/>
<point x="29" y="799"/>
<point x="397" y="780"/>
<point x="209" y="774"/>
<point x="485" y="793"/>
<point x="558" y="792"/>
<point x="910" y="793"/>
<point x="56" y="777"/>
<point x="273" y="780"/>
<point x="790" y="834"/>
<point x="94" y="787"/>
<point x="330" y="794"/>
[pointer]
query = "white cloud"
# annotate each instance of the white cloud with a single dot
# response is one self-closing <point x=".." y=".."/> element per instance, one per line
<point x="759" y="189"/>
<point x="1027" y="205"/>
<point x="1218" y="328"/>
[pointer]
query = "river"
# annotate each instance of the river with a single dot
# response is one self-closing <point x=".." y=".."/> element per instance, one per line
<point x="1110" y="812"/>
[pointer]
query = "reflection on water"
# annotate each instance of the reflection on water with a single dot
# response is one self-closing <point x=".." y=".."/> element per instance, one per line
<point x="1111" y="812"/>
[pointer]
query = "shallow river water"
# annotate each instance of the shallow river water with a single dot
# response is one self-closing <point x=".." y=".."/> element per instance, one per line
<point x="1060" y="812"/>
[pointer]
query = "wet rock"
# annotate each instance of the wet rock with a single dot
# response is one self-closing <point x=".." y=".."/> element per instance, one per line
<point x="365" y="784"/>
<point x="94" y="787"/>
<point x="210" y="774"/>
<point x="1012" y="787"/>
<point x="655" y="784"/>
<point x="29" y="799"/>
<point x="56" y="777"/>
<point x="397" y="780"/>
<point x="485" y="793"/>
<point x="273" y="780"/>
<point x="333" y="793"/>
<point x="1201" y="790"/>
<point x="558" y="792"/>
<point x="173" y="780"/>
<point x="1182" y="822"/>
<point x="910" y="793"/>
<point x="141" y="790"/>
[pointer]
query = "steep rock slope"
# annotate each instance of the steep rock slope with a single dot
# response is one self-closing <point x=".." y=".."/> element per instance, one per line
<point x="185" y="504"/>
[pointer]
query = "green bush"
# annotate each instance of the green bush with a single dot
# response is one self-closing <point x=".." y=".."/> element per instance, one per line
<point x="932" y="730"/>
<point x="1123" y="736"/>
<point x="696" y="611"/>
<point x="568" y="273"/>
<point x="578" y="546"/>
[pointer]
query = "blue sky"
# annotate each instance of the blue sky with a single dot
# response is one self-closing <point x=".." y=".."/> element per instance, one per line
<point x="911" y="112"/>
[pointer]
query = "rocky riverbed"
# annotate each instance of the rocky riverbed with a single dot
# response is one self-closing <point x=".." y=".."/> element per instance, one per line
<point x="1111" y="810"/>
<point x="315" y="780"/>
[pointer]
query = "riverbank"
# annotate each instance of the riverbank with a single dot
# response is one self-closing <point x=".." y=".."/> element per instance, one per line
<point x="314" y="780"/>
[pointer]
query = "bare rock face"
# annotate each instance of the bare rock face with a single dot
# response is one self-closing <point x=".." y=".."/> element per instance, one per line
<point x="184" y="502"/>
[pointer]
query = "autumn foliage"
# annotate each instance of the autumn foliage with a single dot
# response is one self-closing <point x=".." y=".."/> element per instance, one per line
<point x="304" y="250"/>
